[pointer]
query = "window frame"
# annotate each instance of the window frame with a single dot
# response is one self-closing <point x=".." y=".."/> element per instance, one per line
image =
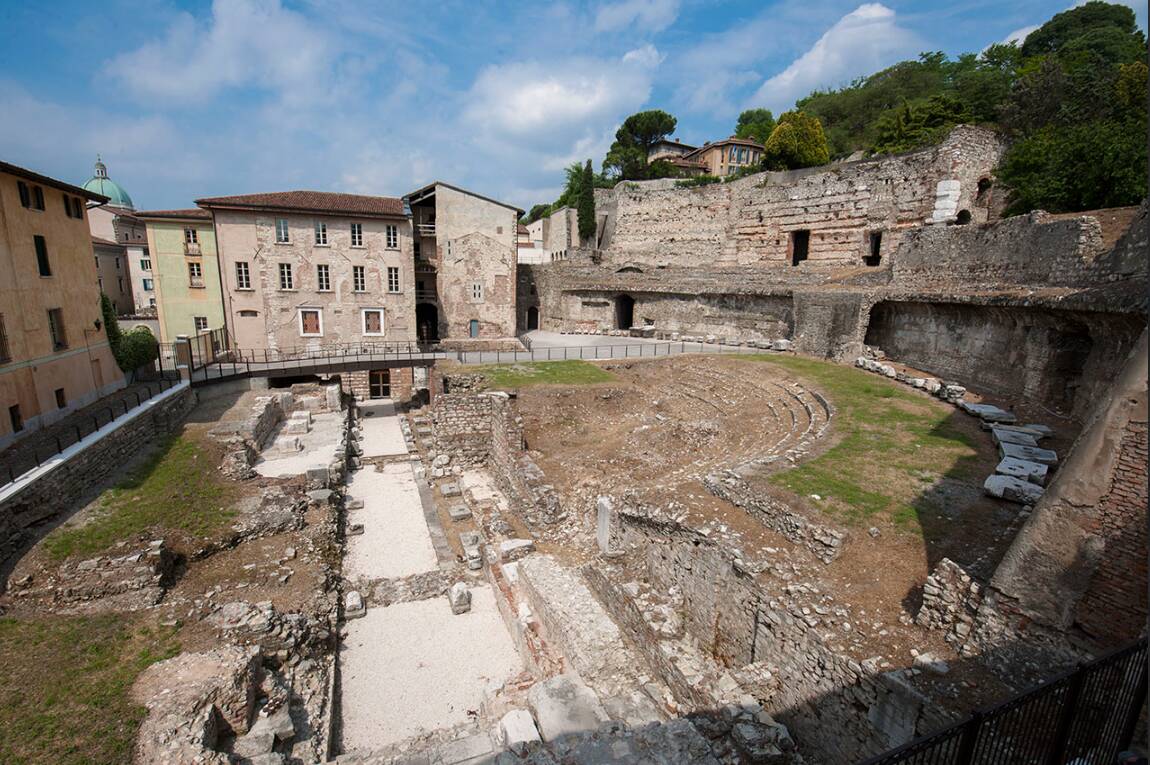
<point x="363" y="312"/>
<point x="244" y="278"/>
<point x="195" y="273"/>
<point x="477" y="292"/>
<point x="149" y="285"/>
<point x="38" y="197"/>
<point x="191" y="235"/>
<point x="391" y="233"/>
<point x="398" y="288"/>
<point x="357" y="235"/>
<point x="322" y="277"/>
<point x="196" y="324"/>
<point x="359" y="279"/>
<point x="282" y="236"/>
<point x="145" y="264"/>
<point x="320" y="229"/>
<point x="299" y="320"/>
<point x="56" y="330"/>
<point x="43" y="261"/>
<point x="285" y="269"/>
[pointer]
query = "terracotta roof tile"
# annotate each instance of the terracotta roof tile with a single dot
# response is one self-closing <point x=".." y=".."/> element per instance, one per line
<point x="7" y="167"/>
<point x="194" y="212"/>
<point x="311" y="201"/>
<point x="106" y="242"/>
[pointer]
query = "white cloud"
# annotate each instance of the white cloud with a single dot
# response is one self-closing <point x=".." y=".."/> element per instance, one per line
<point x="647" y="15"/>
<point x="862" y="42"/>
<point x="244" y="43"/>
<point x="1018" y="35"/>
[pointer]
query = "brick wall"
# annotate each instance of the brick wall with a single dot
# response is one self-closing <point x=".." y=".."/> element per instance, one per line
<point x="356" y="383"/>
<point x="57" y="491"/>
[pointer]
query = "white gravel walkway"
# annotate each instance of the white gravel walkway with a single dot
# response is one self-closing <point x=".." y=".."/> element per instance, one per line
<point x="381" y="434"/>
<point x="395" y="541"/>
<point x="415" y="667"/>
<point x="318" y="448"/>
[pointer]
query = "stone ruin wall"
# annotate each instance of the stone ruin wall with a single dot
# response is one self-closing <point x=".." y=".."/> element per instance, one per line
<point x="740" y="622"/>
<point x="747" y="222"/>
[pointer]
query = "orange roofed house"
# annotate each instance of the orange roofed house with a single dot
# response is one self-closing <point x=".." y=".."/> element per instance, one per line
<point x="54" y="352"/>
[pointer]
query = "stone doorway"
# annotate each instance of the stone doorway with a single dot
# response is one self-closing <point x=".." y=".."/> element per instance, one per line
<point x="624" y="312"/>
<point x="427" y="323"/>
<point x="532" y="318"/>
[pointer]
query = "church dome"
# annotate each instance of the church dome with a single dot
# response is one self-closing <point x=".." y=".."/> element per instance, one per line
<point x="100" y="183"/>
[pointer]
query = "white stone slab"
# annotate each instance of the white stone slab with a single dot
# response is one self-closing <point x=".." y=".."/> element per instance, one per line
<point x="564" y="706"/>
<point x="395" y="541"/>
<point x="1009" y="437"/>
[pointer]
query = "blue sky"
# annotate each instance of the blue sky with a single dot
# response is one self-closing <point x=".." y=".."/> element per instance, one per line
<point x="191" y="99"/>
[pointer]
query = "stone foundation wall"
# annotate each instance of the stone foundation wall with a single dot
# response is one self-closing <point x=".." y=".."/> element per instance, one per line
<point x="41" y="501"/>
<point x="519" y="477"/>
<point x="461" y="416"/>
<point x="741" y="622"/>
<point x="1063" y="360"/>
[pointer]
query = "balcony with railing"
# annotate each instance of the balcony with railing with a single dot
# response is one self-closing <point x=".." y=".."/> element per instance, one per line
<point x="426" y="296"/>
<point x="425" y="229"/>
<point x="192" y="248"/>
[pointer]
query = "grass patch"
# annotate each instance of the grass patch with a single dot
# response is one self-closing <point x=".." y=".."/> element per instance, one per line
<point x="890" y="439"/>
<point x="571" y="372"/>
<point x="64" y="688"/>
<point x="178" y="488"/>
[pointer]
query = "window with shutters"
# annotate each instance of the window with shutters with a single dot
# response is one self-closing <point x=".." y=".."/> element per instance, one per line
<point x="373" y="321"/>
<point x="37" y="198"/>
<point x="25" y="193"/>
<point x="310" y="322"/>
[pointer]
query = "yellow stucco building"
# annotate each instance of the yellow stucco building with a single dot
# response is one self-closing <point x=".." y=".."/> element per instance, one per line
<point x="182" y="244"/>
<point x="54" y="352"/>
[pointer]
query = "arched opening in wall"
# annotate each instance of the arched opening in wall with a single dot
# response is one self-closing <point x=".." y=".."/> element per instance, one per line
<point x="963" y="217"/>
<point x="427" y="323"/>
<point x="532" y="318"/>
<point x="629" y="270"/>
<point x="984" y="186"/>
<point x="624" y="312"/>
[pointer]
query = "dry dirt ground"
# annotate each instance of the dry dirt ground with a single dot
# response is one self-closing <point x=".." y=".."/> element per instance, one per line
<point x="660" y="426"/>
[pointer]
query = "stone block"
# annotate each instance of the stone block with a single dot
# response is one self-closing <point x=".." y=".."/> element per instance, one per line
<point x="1034" y="472"/>
<point x="1011" y="437"/>
<point x="782" y="344"/>
<point x="459" y="512"/>
<point x="564" y="706"/>
<point x="516" y="730"/>
<point x="989" y="413"/>
<point x="317" y="478"/>
<point x="604" y="525"/>
<point x="354" y="504"/>
<point x="331" y="393"/>
<point x="297" y="427"/>
<point x="460" y="598"/>
<point x="354" y="529"/>
<point x="1035" y="432"/>
<point x="1045" y="430"/>
<point x="449" y="489"/>
<point x="1029" y="453"/>
<point x="470" y="750"/>
<point x="514" y="549"/>
<point x="1012" y="489"/>
<point x="353" y="605"/>
<point x="469" y="538"/>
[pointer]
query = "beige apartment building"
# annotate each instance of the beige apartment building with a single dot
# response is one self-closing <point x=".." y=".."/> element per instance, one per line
<point x="728" y="156"/>
<point x="54" y="352"/>
<point x="304" y="270"/>
<point x="465" y="262"/>
<point x="121" y="244"/>
<point x="189" y="293"/>
<point x="112" y="275"/>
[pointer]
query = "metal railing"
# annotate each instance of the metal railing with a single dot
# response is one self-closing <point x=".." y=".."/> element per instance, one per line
<point x="598" y="352"/>
<point x="192" y="248"/>
<point x="425" y="229"/>
<point x="25" y="456"/>
<point x="1086" y="715"/>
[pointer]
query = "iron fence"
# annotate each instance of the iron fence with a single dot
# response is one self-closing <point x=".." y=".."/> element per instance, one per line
<point x="209" y="346"/>
<point x="37" y="448"/>
<point x="599" y="352"/>
<point x="1083" y="717"/>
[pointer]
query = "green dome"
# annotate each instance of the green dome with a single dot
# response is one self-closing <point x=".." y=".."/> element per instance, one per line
<point x="100" y="183"/>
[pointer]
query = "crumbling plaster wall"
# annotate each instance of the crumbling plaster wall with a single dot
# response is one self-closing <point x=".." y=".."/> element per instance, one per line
<point x="747" y="222"/>
<point x="476" y="242"/>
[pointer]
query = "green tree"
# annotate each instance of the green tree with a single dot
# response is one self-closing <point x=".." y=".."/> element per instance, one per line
<point x="797" y="141"/>
<point x="111" y="326"/>
<point x="919" y="124"/>
<point x="535" y="213"/>
<point x="755" y="125"/>
<point x="137" y="348"/>
<point x="627" y="157"/>
<point x="587" y="205"/>
<point x="1087" y="26"/>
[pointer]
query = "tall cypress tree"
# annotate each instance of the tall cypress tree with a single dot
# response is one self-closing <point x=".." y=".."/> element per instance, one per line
<point x="587" y="204"/>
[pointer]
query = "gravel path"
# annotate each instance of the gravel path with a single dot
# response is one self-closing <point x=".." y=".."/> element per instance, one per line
<point x="318" y="448"/>
<point x="415" y="667"/>
<point x="395" y="541"/>
<point x="381" y="434"/>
